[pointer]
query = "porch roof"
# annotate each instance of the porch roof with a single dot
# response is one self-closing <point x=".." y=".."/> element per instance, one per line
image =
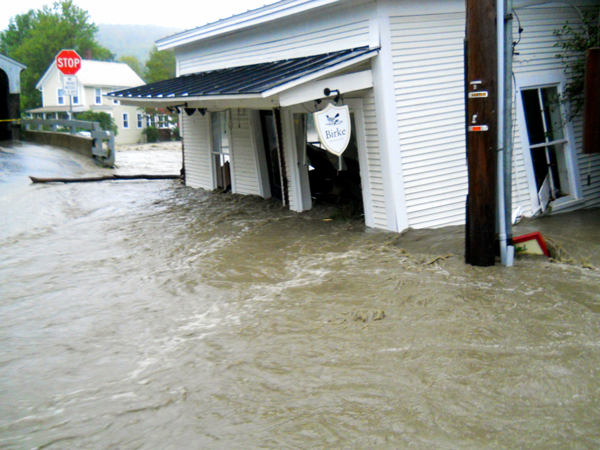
<point x="57" y="108"/>
<point x="253" y="81"/>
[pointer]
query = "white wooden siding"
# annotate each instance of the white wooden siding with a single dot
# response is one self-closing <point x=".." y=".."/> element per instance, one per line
<point x="314" y="34"/>
<point x="292" y="176"/>
<point x="428" y="67"/>
<point x="537" y="53"/>
<point x="589" y="169"/>
<point x="374" y="161"/>
<point x="244" y="157"/>
<point x="198" y="170"/>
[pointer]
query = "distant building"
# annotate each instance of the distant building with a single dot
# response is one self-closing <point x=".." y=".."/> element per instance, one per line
<point x="95" y="79"/>
<point x="10" y="91"/>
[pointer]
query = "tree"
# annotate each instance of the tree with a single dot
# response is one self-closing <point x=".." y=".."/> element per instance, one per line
<point x="35" y="38"/>
<point x="134" y="63"/>
<point x="160" y="66"/>
<point x="574" y="42"/>
<point x="106" y="121"/>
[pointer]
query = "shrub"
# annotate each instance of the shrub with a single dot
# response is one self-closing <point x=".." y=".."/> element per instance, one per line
<point x="107" y="123"/>
<point x="151" y="134"/>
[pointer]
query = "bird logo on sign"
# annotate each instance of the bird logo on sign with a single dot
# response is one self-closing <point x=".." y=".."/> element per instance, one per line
<point x="334" y="128"/>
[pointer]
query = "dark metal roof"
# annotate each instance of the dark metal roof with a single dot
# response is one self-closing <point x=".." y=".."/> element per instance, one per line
<point x="254" y="79"/>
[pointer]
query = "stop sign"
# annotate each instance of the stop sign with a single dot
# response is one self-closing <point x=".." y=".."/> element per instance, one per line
<point x="68" y="62"/>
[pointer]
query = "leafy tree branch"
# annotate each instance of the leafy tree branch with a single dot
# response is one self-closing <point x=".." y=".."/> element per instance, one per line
<point x="573" y="43"/>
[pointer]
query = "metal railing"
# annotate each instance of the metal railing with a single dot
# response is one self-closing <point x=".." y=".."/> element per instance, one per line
<point x="103" y="146"/>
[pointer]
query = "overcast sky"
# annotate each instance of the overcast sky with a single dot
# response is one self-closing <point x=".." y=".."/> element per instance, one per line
<point x="183" y="14"/>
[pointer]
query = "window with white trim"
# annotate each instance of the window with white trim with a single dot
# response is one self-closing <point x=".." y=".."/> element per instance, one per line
<point x="125" y="120"/>
<point x="140" y="120"/>
<point x="75" y="99"/>
<point x="60" y="96"/>
<point x="549" y="145"/>
<point x="98" y="96"/>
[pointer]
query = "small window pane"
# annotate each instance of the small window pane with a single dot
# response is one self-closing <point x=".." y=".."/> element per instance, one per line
<point x="552" y="113"/>
<point x="533" y="116"/>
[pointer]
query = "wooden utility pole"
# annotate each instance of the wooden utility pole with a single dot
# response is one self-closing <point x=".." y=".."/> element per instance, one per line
<point x="482" y="123"/>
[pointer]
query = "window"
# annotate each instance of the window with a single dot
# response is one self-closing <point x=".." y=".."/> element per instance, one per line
<point x="75" y="99"/>
<point x="98" y="96"/>
<point x="115" y="101"/>
<point x="125" y="120"/>
<point x="549" y="145"/>
<point x="220" y="150"/>
<point x="140" y="120"/>
<point x="61" y="97"/>
<point x="149" y="121"/>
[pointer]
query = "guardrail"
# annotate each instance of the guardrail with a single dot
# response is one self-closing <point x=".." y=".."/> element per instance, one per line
<point x="103" y="142"/>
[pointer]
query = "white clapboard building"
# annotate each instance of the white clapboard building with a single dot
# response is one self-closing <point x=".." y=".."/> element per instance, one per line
<point x="94" y="80"/>
<point x="246" y="87"/>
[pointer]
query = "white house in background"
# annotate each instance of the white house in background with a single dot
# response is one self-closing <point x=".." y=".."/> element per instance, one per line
<point x="250" y="82"/>
<point x="95" y="79"/>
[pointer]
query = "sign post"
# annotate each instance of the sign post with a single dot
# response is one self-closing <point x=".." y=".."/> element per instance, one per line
<point x="69" y="63"/>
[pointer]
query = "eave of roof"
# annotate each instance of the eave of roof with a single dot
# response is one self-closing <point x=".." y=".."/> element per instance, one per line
<point x="257" y="81"/>
<point x="57" y="108"/>
<point x="237" y="22"/>
<point x="12" y="61"/>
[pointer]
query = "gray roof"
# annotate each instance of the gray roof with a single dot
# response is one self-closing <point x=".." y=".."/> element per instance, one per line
<point x="253" y="79"/>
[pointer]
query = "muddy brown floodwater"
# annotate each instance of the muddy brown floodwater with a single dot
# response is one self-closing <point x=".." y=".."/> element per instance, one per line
<point x="148" y="315"/>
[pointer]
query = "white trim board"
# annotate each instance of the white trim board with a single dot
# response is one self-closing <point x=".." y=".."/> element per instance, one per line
<point x="344" y="84"/>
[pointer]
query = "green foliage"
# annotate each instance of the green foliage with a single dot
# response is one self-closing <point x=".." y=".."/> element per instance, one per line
<point x="106" y="121"/>
<point x="134" y="63"/>
<point x="573" y="43"/>
<point x="35" y="38"/>
<point x="151" y="134"/>
<point x="160" y="66"/>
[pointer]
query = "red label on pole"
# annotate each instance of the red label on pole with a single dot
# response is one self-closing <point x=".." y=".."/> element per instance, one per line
<point x="68" y="62"/>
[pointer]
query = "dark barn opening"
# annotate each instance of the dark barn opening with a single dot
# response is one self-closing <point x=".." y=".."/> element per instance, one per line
<point x="5" y="125"/>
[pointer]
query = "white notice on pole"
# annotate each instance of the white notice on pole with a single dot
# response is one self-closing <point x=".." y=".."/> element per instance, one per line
<point x="70" y="84"/>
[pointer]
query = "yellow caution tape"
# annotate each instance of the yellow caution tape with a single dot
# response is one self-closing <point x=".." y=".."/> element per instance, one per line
<point x="10" y="120"/>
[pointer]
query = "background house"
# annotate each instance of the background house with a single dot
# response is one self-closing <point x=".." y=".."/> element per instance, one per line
<point x="95" y="79"/>
<point x="10" y="89"/>
<point x="255" y="78"/>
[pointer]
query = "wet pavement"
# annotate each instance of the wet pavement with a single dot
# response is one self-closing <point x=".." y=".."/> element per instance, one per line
<point x="148" y="315"/>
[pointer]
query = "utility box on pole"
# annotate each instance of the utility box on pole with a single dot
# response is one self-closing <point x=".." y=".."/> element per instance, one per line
<point x="482" y="124"/>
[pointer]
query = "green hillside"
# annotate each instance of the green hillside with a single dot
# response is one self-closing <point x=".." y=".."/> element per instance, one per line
<point x="136" y="40"/>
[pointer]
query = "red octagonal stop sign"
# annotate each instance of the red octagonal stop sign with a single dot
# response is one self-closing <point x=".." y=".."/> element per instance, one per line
<point x="68" y="62"/>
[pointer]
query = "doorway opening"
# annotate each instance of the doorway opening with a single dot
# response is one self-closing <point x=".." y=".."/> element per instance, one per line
<point x="271" y="147"/>
<point x="221" y="155"/>
<point x="333" y="180"/>
<point x="5" y="126"/>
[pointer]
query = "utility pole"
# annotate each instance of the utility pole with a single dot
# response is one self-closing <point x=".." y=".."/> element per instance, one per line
<point x="482" y="129"/>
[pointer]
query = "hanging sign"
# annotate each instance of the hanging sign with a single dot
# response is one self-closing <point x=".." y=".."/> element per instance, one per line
<point x="334" y="128"/>
<point x="70" y="84"/>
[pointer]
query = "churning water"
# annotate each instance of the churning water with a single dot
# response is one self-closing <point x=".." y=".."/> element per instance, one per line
<point x="148" y="315"/>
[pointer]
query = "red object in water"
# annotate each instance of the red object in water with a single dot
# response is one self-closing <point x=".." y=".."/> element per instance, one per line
<point x="534" y="238"/>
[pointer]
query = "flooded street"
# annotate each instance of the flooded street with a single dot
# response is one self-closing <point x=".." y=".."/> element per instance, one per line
<point x="148" y="315"/>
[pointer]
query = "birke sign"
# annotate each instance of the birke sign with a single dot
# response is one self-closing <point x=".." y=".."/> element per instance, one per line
<point x="68" y="62"/>
<point x="334" y="128"/>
